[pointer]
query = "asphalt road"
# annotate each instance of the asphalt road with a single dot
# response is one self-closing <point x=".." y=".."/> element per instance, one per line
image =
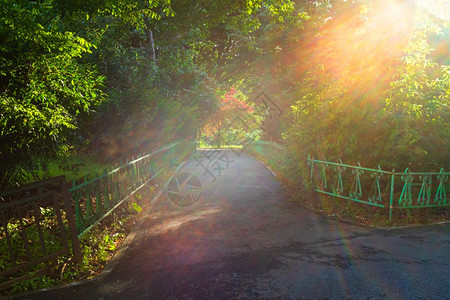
<point x="244" y="241"/>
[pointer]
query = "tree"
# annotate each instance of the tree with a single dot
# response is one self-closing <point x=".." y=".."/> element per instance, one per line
<point x="416" y="117"/>
<point x="232" y="123"/>
<point x="380" y="103"/>
<point x="44" y="91"/>
<point x="178" y="96"/>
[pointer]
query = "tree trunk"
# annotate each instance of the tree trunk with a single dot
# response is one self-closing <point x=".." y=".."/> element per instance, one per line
<point x="151" y="52"/>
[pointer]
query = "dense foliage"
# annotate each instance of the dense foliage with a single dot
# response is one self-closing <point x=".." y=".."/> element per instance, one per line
<point x="235" y="122"/>
<point x="45" y="91"/>
<point x="357" y="80"/>
<point x="375" y="93"/>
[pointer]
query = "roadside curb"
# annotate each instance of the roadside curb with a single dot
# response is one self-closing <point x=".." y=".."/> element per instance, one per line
<point x="391" y="228"/>
<point x="264" y="164"/>
<point x="130" y="237"/>
<point x="413" y="226"/>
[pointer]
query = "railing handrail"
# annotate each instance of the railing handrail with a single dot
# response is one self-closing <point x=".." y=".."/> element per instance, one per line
<point x="87" y="182"/>
<point x="103" y="194"/>
<point x="279" y="153"/>
<point x="379" y="170"/>
<point x="275" y="144"/>
<point x="30" y="186"/>
<point x="148" y="155"/>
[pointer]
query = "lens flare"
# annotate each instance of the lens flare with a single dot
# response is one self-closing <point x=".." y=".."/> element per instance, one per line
<point x="438" y="8"/>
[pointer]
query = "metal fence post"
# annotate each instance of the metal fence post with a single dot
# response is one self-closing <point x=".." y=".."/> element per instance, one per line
<point x="391" y="200"/>
<point x="76" y="248"/>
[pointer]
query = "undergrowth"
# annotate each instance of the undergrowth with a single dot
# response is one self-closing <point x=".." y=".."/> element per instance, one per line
<point x="97" y="247"/>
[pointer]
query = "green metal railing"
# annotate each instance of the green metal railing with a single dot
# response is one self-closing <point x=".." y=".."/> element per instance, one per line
<point x="376" y="187"/>
<point x="96" y="198"/>
<point x="272" y="152"/>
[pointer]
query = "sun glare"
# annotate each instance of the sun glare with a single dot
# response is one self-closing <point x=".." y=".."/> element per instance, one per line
<point x="365" y="41"/>
<point x="438" y="8"/>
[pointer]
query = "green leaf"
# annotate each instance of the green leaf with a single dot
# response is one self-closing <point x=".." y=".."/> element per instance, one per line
<point x="136" y="207"/>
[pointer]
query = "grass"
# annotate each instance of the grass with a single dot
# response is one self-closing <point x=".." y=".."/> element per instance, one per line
<point x="75" y="167"/>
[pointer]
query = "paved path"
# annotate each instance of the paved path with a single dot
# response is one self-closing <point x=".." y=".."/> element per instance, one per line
<point x="244" y="241"/>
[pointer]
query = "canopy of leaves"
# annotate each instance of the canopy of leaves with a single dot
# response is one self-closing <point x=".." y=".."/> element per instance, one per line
<point x="356" y="80"/>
